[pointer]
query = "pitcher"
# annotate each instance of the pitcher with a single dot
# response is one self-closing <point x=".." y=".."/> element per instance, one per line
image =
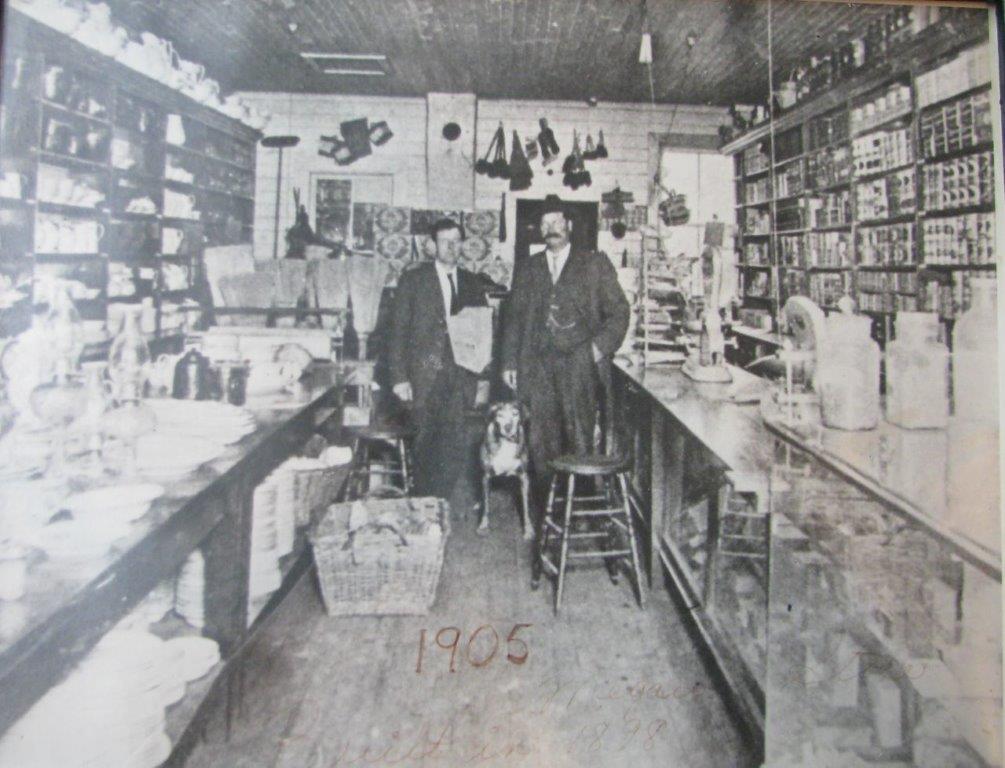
<point x="175" y="130"/>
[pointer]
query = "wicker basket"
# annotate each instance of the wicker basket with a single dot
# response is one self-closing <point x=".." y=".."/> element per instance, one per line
<point x="388" y="565"/>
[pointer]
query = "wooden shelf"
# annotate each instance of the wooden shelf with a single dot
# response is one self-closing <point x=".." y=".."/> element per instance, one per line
<point x="983" y="266"/>
<point x="56" y="107"/>
<point x="973" y="149"/>
<point x="211" y="510"/>
<point x="877" y="174"/>
<point x="958" y="211"/>
<point x="887" y="267"/>
<point x="893" y="117"/>
<point x="65" y="209"/>
<point x="203" y="156"/>
<point x="829" y="188"/>
<point x="956" y="97"/>
<point x="71" y="162"/>
<point x="901" y="218"/>
<point x="933" y="43"/>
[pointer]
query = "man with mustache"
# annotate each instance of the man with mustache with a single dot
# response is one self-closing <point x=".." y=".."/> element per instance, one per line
<point x="567" y="318"/>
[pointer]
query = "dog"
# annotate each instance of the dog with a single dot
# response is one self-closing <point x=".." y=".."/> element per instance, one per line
<point x="504" y="454"/>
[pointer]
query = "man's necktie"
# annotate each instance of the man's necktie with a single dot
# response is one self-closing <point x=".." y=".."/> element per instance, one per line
<point x="455" y="302"/>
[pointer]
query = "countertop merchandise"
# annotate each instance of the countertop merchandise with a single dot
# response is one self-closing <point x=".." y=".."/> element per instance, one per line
<point x="70" y="601"/>
<point x="882" y="613"/>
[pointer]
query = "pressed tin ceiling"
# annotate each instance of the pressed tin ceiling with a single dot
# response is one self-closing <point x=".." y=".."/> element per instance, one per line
<point x="528" y="49"/>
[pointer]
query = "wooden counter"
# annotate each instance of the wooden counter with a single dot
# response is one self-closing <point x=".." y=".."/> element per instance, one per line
<point x="864" y="573"/>
<point x="67" y="609"/>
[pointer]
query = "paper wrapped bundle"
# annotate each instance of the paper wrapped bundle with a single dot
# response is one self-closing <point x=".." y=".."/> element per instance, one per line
<point x="254" y="290"/>
<point x="329" y="288"/>
<point x="225" y="261"/>
<point x="471" y="337"/>
<point x="289" y="278"/>
<point x="367" y="277"/>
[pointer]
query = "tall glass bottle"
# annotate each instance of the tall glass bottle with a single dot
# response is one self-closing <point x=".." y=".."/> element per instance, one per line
<point x="917" y="373"/>
<point x="975" y="355"/>
<point x="129" y="358"/>
<point x="847" y="374"/>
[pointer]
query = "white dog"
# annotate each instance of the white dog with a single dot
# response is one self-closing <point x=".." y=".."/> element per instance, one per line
<point x="504" y="454"/>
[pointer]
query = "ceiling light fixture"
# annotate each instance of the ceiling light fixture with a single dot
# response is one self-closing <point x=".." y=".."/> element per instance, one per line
<point x="646" y="49"/>
<point x="646" y="45"/>
<point x="346" y="56"/>
<point x="362" y="72"/>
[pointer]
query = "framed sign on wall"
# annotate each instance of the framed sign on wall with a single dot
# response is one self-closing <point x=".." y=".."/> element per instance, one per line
<point x="341" y="206"/>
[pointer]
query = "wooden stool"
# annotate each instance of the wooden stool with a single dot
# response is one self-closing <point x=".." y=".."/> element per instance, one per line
<point x="608" y="503"/>
<point x="394" y="469"/>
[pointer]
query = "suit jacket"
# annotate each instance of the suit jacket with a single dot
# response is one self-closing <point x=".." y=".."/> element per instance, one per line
<point x="585" y="306"/>
<point x="419" y="347"/>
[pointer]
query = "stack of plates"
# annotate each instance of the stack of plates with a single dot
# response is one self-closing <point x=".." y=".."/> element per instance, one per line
<point x="266" y="527"/>
<point x="169" y="457"/>
<point x="207" y="419"/>
<point x="113" y="504"/>
<point x="190" y="589"/>
<point x="76" y="539"/>
<point x="194" y="656"/>
<point x="286" y="507"/>
<point x="110" y="711"/>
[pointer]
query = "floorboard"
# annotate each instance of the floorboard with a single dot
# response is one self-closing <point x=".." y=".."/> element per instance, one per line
<point x="604" y="684"/>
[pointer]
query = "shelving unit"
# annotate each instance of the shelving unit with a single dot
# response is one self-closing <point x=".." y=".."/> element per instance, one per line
<point x="660" y="318"/>
<point x="90" y="140"/>
<point x="838" y="221"/>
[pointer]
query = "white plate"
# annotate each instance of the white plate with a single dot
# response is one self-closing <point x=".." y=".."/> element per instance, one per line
<point x="121" y="502"/>
<point x="74" y="540"/>
<point x="174" y="453"/>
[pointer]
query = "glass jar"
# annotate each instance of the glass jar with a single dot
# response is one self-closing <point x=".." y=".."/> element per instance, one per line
<point x="917" y="373"/>
<point x="847" y="374"/>
<point x="975" y="355"/>
<point x="129" y="358"/>
<point x="64" y="329"/>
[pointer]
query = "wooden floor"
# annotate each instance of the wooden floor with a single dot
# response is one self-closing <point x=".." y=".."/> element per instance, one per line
<point x="604" y="684"/>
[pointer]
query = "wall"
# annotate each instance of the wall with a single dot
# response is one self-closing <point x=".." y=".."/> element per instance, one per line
<point x="629" y="133"/>
<point x="312" y="116"/>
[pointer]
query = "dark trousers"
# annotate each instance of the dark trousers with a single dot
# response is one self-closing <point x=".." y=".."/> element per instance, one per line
<point x="441" y="447"/>
<point x="561" y="395"/>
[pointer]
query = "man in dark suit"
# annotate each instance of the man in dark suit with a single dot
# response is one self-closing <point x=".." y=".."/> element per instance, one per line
<point x="421" y="361"/>
<point x="567" y="318"/>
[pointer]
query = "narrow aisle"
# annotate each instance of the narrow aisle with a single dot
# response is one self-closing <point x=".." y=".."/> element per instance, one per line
<point x="604" y="684"/>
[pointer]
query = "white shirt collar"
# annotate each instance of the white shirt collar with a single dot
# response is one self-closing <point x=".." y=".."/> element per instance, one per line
<point x="444" y="270"/>
<point x="558" y="260"/>
<point x="444" y="273"/>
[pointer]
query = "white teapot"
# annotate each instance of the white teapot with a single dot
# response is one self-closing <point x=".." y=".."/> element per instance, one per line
<point x="98" y="32"/>
<point x="159" y="56"/>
